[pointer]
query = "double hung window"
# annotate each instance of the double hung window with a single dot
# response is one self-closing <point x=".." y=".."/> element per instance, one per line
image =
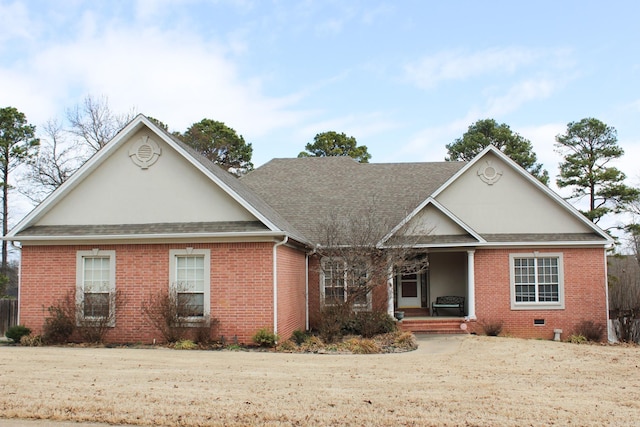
<point x="95" y="285"/>
<point x="342" y="282"/>
<point x="190" y="282"/>
<point x="536" y="280"/>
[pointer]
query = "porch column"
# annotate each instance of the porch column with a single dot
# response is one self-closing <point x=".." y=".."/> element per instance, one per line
<point x="471" y="284"/>
<point x="390" y="293"/>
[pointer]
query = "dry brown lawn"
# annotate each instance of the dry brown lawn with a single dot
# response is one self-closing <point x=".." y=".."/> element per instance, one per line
<point x="466" y="380"/>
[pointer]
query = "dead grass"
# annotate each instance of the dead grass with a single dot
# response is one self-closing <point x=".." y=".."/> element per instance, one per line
<point x="479" y="381"/>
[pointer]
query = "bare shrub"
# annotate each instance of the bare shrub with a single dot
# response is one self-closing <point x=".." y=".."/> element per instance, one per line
<point x="590" y="330"/>
<point x="491" y="328"/>
<point x="288" y="346"/>
<point x="332" y="320"/>
<point x="61" y="322"/>
<point x="163" y="310"/>
<point x="93" y="329"/>
<point x="355" y="258"/>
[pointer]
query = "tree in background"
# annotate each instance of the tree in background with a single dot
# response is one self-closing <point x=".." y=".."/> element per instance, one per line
<point x="488" y="132"/>
<point x="91" y="125"/>
<point x="17" y="146"/>
<point x="220" y="144"/>
<point x="331" y="143"/>
<point x="587" y="148"/>
<point x="94" y="122"/>
<point x="56" y="161"/>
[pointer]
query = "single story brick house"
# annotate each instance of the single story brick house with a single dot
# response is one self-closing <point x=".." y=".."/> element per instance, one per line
<point x="147" y="214"/>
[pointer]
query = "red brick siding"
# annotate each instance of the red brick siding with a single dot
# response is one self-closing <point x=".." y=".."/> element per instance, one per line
<point x="584" y="293"/>
<point x="291" y="291"/>
<point x="241" y="297"/>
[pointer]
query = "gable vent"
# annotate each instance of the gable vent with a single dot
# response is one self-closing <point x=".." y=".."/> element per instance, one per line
<point x="145" y="152"/>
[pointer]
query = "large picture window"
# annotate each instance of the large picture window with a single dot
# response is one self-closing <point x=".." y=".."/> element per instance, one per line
<point x="190" y="283"/>
<point x="95" y="284"/>
<point x="536" y="281"/>
<point x="341" y="281"/>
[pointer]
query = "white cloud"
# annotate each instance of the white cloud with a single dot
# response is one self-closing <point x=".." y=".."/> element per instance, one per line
<point x="360" y="126"/>
<point x="169" y="74"/>
<point x="458" y="65"/>
<point x="15" y="22"/>
<point x="519" y="94"/>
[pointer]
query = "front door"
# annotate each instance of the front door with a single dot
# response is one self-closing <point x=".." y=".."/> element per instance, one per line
<point x="409" y="291"/>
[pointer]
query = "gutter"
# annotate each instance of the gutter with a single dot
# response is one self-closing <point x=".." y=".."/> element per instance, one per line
<point x="275" y="283"/>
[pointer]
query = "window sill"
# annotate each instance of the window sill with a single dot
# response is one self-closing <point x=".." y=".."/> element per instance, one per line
<point x="538" y="306"/>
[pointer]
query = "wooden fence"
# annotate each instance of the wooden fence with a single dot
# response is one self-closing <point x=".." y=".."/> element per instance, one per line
<point x="8" y="314"/>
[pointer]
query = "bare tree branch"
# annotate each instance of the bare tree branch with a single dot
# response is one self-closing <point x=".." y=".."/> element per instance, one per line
<point x="94" y="122"/>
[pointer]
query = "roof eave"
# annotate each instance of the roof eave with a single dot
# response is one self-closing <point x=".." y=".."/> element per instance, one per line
<point x="489" y="245"/>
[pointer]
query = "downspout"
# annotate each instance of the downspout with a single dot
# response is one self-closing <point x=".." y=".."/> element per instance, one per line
<point x="306" y="292"/>
<point x="275" y="282"/>
<point x="19" y="247"/>
<point x="611" y="331"/>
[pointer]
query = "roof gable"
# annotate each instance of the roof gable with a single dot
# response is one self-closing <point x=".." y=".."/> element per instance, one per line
<point x="119" y="186"/>
<point x="494" y="195"/>
<point x="121" y="192"/>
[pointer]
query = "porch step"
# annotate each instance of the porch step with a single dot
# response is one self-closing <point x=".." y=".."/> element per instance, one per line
<point x="433" y="325"/>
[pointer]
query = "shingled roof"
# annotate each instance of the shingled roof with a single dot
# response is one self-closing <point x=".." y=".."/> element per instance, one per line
<point x="307" y="191"/>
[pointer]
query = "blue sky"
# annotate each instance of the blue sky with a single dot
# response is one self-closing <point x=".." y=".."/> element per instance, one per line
<point x="403" y="77"/>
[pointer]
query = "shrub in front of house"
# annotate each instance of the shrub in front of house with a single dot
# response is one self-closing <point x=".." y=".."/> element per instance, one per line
<point x="590" y="330"/>
<point x="371" y="323"/>
<point x="185" y="345"/>
<point x="491" y="328"/>
<point x="339" y="320"/>
<point x="59" y="325"/>
<point x="15" y="333"/>
<point x="31" y="341"/>
<point x="165" y="312"/>
<point x="299" y="336"/>
<point x="265" y="338"/>
<point x="361" y="346"/>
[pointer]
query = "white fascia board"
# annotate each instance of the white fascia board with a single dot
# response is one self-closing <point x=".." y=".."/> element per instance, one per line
<point x="441" y="208"/>
<point x="526" y="175"/>
<point x="77" y="177"/>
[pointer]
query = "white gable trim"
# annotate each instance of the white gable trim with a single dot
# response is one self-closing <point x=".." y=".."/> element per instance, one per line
<point x="441" y="208"/>
<point x="526" y="175"/>
<point x="97" y="159"/>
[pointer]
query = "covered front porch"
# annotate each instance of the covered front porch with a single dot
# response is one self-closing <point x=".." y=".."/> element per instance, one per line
<point x="450" y="273"/>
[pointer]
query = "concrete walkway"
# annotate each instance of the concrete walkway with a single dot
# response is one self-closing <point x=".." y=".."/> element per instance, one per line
<point x="439" y="343"/>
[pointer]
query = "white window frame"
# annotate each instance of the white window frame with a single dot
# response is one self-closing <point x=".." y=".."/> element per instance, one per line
<point x="325" y="260"/>
<point x="81" y="256"/>
<point x="537" y="305"/>
<point x="174" y="254"/>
